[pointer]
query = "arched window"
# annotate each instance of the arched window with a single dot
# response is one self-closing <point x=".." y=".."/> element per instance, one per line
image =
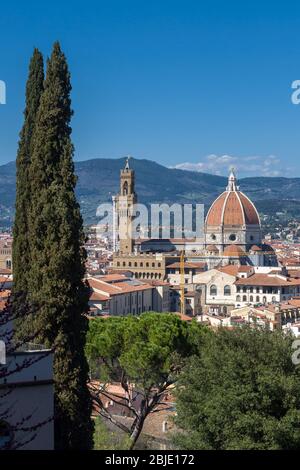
<point x="251" y="298"/>
<point x="257" y="298"/>
<point x="264" y="300"/>
<point x="213" y="289"/>
<point x="238" y="298"/>
<point x="227" y="290"/>
<point x="125" y="189"/>
<point x="244" y="298"/>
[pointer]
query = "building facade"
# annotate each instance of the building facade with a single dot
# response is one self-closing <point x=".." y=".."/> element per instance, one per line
<point x="28" y="391"/>
<point x="122" y="295"/>
<point x="5" y="255"/>
<point x="232" y="235"/>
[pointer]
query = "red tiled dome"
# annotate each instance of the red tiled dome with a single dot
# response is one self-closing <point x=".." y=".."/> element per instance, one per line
<point x="234" y="250"/>
<point x="212" y="248"/>
<point x="232" y="208"/>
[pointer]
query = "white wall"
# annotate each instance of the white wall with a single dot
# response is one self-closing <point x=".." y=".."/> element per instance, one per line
<point x="31" y="395"/>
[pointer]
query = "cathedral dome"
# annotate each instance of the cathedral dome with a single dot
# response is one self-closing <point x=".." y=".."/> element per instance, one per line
<point x="234" y="250"/>
<point x="212" y="248"/>
<point x="232" y="208"/>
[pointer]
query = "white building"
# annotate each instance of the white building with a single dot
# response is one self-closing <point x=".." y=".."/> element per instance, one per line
<point x="27" y="390"/>
<point x="117" y="294"/>
<point x="260" y="288"/>
<point x="239" y="286"/>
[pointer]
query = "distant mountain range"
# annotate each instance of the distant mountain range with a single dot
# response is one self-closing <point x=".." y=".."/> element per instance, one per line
<point x="98" y="180"/>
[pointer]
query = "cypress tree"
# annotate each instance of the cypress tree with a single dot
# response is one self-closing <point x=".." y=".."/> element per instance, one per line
<point x="21" y="257"/>
<point x="58" y="257"/>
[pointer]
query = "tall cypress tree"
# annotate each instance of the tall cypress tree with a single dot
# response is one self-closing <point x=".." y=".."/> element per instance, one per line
<point x="58" y="257"/>
<point x="21" y="257"/>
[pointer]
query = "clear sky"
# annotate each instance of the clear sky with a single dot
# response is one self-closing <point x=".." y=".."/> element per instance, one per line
<point x="205" y="83"/>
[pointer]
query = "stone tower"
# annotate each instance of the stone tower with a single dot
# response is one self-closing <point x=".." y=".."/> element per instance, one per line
<point x="124" y="202"/>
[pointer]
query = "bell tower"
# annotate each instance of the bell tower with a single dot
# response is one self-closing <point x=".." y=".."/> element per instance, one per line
<point x="124" y="202"/>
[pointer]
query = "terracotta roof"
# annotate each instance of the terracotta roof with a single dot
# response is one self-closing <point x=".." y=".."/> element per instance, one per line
<point x="5" y="271"/>
<point x="232" y="208"/>
<point x="234" y="270"/>
<point x="233" y="250"/>
<point x="229" y="269"/>
<point x="103" y="286"/>
<point x="214" y="215"/>
<point x="295" y="302"/>
<point x="126" y="287"/>
<point x="245" y="269"/>
<point x="187" y="264"/>
<point x="212" y="248"/>
<point x="282" y="306"/>
<point x="116" y="288"/>
<point x="266" y="280"/>
<point x="255" y="248"/>
<point x="4" y="294"/>
<point x="98" y="297"/>
<point x="294" y="273"/>
<point x="250" y="212"/>
<point x="291" y="262"/>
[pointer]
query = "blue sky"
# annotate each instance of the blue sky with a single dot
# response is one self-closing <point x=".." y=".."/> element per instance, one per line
<point x="206" y="84"/>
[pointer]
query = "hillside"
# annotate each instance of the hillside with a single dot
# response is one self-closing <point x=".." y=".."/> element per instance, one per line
<point x="98" y="180"/>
